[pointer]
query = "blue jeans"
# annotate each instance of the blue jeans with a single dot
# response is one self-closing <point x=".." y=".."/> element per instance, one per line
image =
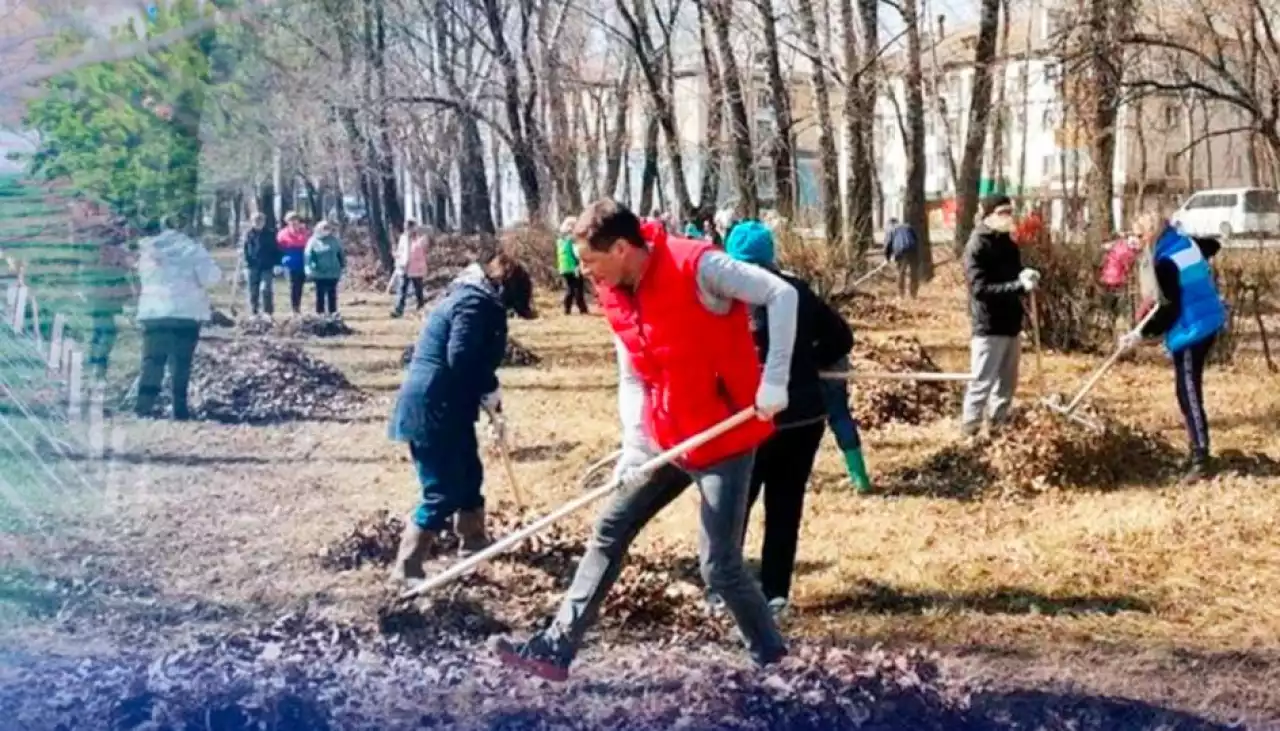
<point x="450" y="475"/>
<point x="835" y="393"/>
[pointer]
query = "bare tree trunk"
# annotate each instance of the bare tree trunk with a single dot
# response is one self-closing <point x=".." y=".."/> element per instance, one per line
<point x="976" y="134"/>
<point x="523" y="155"/>
<point x="495" y="151"/>
<point x="828" y="158"/>
<point x="944" y="114"/>
<point x="476" y="215"/>
<point x="1025" y="113"/>
<point x="782" y="145"/>
<point x="618" y="140"/>
<point x="1109" y="21"/>
<point x="709" y="189"/>
<point x="651" y="69"/>
<point x="649" y="175"/>
<point x="748" y="204"/>
<point x="915" y="213"/>
<point x="1000" y="127"/>
<point x="858" y="127"/>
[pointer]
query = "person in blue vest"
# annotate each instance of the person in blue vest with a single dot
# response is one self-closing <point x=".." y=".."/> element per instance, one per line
<point x="452" y="377"/>
<point x="1189" y="315"/>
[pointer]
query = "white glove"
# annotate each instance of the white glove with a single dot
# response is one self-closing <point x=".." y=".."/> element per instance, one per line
<point x="770" y="400"/>
<point x="492" y="402"/>
<point x="1130" y="339"/>
<point x="631" y="478"/>
<point x="1029" y="279"/>
<point x="498" y="429"/>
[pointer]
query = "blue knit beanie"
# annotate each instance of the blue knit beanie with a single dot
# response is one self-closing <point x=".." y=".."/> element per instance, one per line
<point x="752" y="242"/>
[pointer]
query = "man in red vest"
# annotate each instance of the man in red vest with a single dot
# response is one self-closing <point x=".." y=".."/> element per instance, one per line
<point x="686" y="361"/>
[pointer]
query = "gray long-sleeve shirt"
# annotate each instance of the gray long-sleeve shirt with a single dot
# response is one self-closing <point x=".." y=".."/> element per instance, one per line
<point x="721" y="280"/>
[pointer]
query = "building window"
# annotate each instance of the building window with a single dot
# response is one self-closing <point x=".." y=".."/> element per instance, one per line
<point x="768" y="184"/>
<point x="1170" y="115"/>
<point x="1050" y="166"/>
<point x="1237" y="166"/>
<point x="1171" y="165"/>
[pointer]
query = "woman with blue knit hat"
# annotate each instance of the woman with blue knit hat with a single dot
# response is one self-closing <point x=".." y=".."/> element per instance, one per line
<point x="784" y="462"/>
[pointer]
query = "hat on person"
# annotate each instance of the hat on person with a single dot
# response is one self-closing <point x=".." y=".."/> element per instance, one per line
<point x="566" y="226"/>
<point x="752" y="242"/>
<point x="992" y="202"/>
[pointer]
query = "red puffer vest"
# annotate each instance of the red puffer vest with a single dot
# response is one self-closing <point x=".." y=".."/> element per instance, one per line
<point x="698" y="368"/>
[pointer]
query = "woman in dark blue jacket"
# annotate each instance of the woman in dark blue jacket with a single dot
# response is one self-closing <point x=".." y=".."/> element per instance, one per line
<point x="452" y="376"/>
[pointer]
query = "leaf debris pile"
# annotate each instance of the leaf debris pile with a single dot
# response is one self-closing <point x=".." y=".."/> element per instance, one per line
<point x="658" y="597"/>
<point x="305" y="672"/>
<point x="880" y="402"/>
<point x="308" y="325"/>
<point x="515" y="356"/>
<point x="1039" y="450"/>
<point x="261" y="382"/>
<point x="868" y="311"/>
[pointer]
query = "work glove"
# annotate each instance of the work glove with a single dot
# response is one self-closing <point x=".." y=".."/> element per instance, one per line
<point x="771" y="399"/>
<point x="1130" y="340"/>
<point x="498" y="428"/>
<point x="1029" y="279"/>
<point x="631" y="478"/>
<point x="492" y="402"/>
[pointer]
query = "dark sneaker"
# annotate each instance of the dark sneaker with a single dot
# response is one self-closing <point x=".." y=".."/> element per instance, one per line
<point x="535" y="656"/>
<point x="1197" y="470"/>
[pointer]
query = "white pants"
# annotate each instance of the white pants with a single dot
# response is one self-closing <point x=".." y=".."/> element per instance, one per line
<point x="994" y="365"/>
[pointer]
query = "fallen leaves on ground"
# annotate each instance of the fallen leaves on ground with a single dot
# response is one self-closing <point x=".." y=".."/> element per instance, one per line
<point x="1039" y="450"/>
<point x="516" y="355"/>
<point x="880" y="402"/>
<point x="258" y="382"/>
<point x="316" y="326"/>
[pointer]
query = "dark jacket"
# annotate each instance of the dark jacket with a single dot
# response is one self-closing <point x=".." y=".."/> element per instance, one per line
<point x="1170" y="289"/>
<point x="900" y="242"/>
<point x="822" y="338"/>
<point x="455" y="361"/>
<point x="992" y="263"/>
<point x="260" y="249"/>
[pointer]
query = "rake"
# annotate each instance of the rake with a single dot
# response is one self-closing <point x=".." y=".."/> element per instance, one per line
<point x="865" y="277"/>
<point x="512" y="540"/>
<point x="1054" y="403"/>
<point x="891" y="376"/>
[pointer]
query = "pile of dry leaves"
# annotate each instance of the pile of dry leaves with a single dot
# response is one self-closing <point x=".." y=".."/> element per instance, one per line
<point x="872" y="312"/>
<point x="1038" y="450"/>
<point x="516" y="355"/>
<point x="876" y="403"/>
<point x="657" y="598"/>
<point x="259" y="382"/>
<point x="303" y="672"/>
<point x="316" y="326"/>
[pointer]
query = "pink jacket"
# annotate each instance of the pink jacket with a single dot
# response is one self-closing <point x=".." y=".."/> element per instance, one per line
<point x="1117" y="263"/>
<point x="411" y="254"/>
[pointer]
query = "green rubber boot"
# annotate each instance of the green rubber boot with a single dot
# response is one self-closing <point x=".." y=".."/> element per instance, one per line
<point x="857" y="471"/>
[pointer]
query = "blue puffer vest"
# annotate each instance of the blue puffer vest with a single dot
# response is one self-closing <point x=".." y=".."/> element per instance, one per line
<point x="1202" y="313"/>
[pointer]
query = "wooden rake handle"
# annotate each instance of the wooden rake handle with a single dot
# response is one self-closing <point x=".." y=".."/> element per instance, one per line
<point x="512" y="540"/>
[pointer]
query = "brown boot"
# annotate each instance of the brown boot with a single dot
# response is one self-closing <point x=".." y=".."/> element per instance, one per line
<point x="415" y="544"/>
<point x="469" y="526"/>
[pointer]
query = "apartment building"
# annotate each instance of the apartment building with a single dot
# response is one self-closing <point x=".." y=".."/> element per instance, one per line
<point x="1166" y="146"/>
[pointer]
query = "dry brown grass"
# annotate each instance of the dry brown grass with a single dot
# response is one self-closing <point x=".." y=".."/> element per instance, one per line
<point x="1162" y="592"/>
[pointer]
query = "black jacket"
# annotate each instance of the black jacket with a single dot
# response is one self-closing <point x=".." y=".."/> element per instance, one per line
<point x="260" y="249"/>
<point x="992" y="263"/>
<point x="822" y="338"/>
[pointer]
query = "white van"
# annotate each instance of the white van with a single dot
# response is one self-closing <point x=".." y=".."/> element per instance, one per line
<point x="1228" y="212"/>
